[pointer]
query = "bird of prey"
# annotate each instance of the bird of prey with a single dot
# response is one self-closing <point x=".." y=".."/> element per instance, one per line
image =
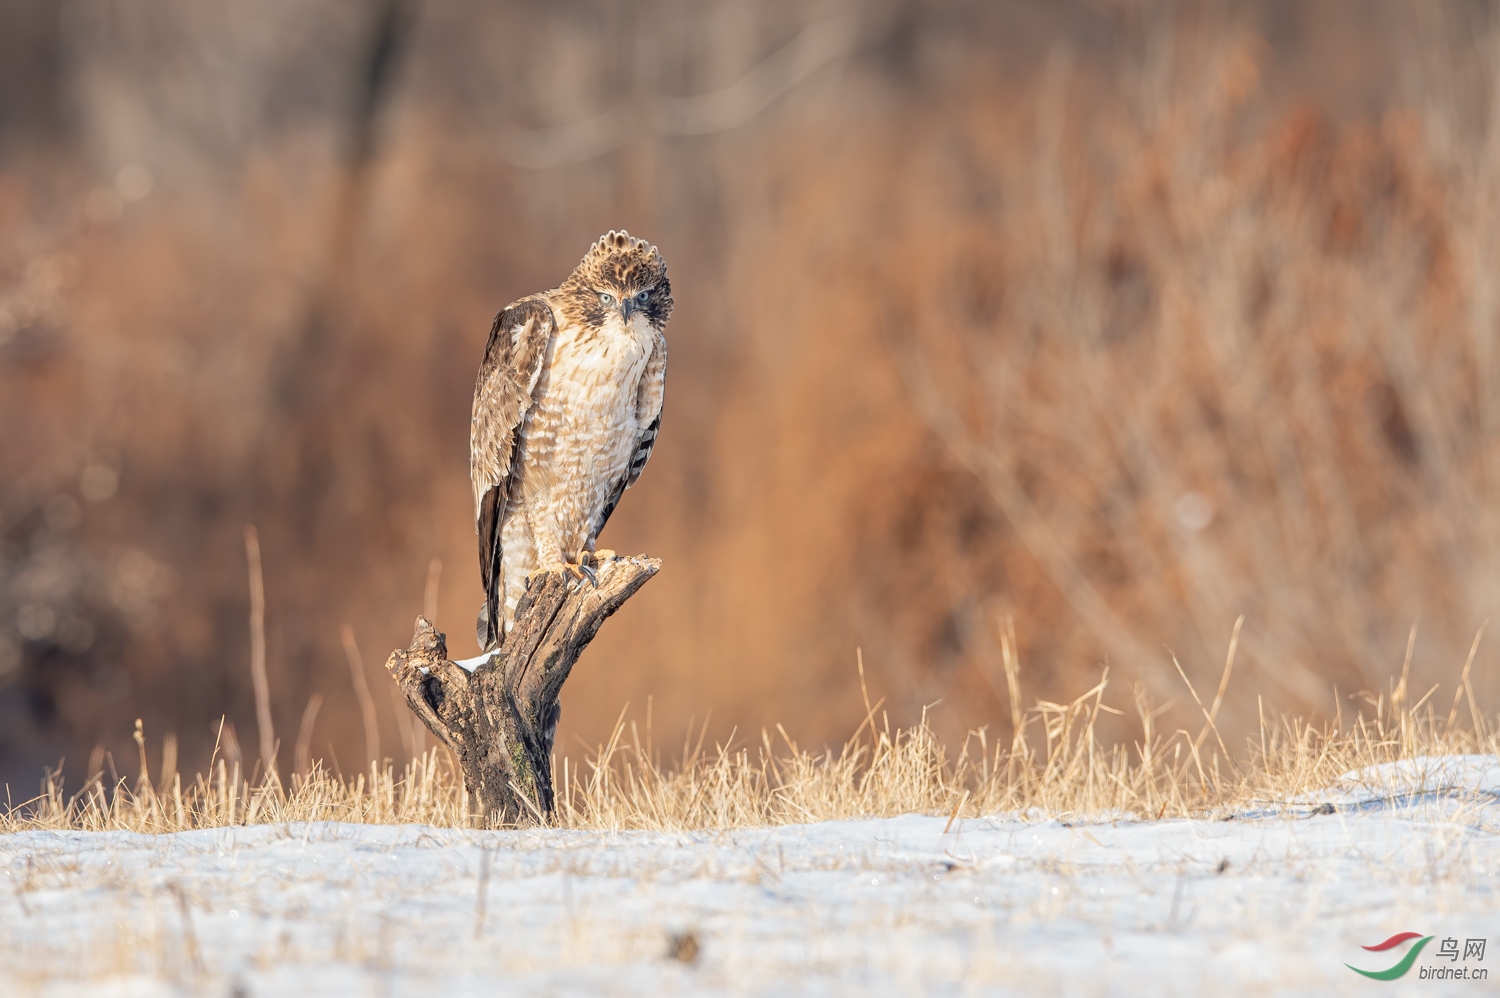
<point x="566" y="410"/>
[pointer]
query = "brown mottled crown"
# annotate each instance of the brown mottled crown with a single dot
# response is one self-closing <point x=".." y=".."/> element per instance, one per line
<point x="621" y="264"/>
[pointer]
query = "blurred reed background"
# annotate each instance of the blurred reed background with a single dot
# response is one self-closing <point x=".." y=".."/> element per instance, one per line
<point x="1119" y="319"/>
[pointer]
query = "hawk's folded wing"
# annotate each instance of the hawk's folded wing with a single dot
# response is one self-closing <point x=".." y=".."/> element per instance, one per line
<point x="503" y="396"/>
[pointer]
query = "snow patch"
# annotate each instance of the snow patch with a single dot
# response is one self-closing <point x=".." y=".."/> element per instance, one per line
<point x="470" y="664"/>
<point x="1421" y="781"/>
<point x="995" y="905"/>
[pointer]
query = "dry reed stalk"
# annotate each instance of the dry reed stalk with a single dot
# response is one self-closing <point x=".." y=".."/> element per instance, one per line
<point x="430" y="591"/>
<point x="144" y="780"/>
<point x="230" y="740"/>
<point x="303" y="756"/>
<point x="168" y="758"/>
<point x="362" y="691"/>
<point x="405" y="722"/>
<point x="258" y="650"/>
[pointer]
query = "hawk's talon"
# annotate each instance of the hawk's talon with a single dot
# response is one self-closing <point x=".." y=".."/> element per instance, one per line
<point x="577" y="570"/>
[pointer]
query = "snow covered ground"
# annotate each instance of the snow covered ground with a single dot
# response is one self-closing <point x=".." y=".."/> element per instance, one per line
<point x="1269" y="902"/>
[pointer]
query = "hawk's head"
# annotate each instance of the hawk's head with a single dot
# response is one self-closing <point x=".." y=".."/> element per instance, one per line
<point x="622" y="274"/>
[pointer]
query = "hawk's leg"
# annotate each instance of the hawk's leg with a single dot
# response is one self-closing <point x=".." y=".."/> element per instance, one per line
<point x="579" y="570"/>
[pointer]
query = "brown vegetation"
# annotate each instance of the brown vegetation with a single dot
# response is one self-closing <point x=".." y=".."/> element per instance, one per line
<point x="1120" y="319"/>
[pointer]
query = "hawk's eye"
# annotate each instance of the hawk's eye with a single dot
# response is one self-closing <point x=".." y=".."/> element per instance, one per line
<point x="606" y="299"/>
<point x="643" y="297"/>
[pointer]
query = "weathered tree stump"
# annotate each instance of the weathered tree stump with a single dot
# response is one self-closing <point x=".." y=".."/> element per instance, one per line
<point x="499" y="720"/>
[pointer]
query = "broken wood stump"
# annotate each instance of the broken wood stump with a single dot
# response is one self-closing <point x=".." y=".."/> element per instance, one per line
<point x="499" y="719"/>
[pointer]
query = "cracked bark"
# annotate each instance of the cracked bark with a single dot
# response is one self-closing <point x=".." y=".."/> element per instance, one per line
<point x="499" y="720"/>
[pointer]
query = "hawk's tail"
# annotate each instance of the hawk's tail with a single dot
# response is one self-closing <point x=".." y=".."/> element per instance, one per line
<point x="483" y="631"/>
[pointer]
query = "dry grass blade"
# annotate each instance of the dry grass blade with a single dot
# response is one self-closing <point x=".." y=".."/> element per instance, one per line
<point x="1213" y="712"/>
<point x="1463" y="679"/>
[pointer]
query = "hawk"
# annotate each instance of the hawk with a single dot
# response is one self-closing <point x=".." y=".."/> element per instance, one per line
<point x="566" y="411"/>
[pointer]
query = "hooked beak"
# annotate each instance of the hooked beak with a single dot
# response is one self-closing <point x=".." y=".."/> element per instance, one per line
<point x="626" y="307"/>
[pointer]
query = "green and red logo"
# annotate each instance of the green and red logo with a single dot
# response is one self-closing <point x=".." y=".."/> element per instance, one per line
<point x="1401" y="966"/>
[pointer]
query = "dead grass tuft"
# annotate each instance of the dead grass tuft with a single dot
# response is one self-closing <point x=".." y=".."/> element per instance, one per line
<point x="1055" y="767"/>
